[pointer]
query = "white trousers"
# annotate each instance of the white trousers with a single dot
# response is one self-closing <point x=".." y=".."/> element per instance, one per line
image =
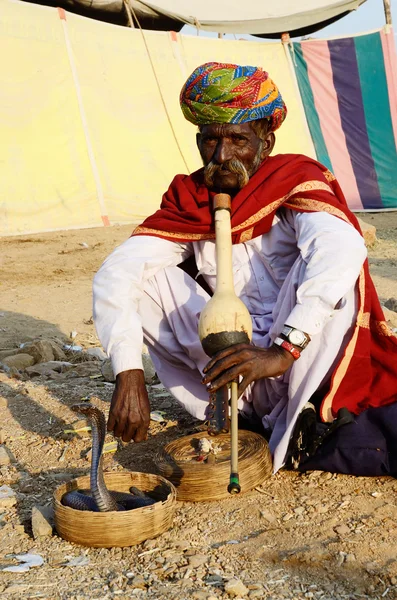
<point x="170" y="310"/>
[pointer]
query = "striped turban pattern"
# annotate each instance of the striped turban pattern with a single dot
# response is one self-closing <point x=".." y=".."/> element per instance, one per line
<point x="227" y="93"/>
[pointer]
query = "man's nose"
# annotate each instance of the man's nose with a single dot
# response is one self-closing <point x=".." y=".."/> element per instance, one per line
<point x="223" y="152"/>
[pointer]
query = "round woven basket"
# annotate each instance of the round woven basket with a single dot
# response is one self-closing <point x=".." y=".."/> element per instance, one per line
<point x="201" y="481"/>
<point x="124" y="528"/>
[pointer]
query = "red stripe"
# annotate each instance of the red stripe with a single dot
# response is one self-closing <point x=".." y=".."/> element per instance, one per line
<point x="174" y="36"/>
<point x="105" y="221"/>
<point x="62" y="14"/>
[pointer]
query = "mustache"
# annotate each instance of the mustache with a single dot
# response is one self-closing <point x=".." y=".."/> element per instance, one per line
<point x="234" y="166"/>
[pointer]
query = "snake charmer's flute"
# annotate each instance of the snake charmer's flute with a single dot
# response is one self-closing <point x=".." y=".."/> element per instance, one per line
<point x="225" y="321"/>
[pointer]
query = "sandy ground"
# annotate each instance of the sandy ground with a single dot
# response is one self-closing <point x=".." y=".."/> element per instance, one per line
<point x="316" y="535"/>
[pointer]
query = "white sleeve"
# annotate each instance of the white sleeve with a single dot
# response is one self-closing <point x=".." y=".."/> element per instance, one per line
<point x="334" y="253"/>
<point x="117" y="289"/>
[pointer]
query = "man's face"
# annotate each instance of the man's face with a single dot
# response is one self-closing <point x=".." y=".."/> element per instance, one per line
<point x="231" y="154"/>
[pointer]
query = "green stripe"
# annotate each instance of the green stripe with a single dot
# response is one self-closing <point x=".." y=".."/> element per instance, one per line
<point x="371" y="68"/>
<point x="310" y="108"/>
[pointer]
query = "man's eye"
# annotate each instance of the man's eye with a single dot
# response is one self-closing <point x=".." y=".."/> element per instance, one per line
<point x="238" y="138"/>
<point x="210" y="140"/>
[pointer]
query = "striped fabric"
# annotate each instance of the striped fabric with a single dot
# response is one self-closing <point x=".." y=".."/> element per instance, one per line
<point x="349" y="91"/>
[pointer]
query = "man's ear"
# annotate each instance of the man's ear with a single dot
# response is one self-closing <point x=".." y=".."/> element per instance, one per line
<point x="268" y="145"/>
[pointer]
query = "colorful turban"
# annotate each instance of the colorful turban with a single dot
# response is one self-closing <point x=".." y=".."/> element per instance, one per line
<point x="223" y="93"/>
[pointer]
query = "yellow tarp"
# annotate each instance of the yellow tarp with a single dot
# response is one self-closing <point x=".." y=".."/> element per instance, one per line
<point x="90" y="126"/>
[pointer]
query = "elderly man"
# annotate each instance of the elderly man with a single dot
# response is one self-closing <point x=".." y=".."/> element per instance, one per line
<point x="321" y="350"/>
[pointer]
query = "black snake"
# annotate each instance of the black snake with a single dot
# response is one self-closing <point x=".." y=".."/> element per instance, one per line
<point x="101" y="499"/>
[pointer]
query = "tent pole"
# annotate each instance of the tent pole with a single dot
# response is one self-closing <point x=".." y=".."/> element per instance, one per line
<point x="129" y="13"/>
<point x="387" y="7"/>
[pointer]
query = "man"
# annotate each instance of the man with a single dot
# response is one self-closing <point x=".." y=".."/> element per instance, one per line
<point x="320" y="345"/>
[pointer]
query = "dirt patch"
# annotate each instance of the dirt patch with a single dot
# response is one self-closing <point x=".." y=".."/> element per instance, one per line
<point x="316" y="535"/>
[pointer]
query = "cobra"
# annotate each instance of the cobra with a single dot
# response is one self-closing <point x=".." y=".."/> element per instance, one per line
<point x="102" y="499"/>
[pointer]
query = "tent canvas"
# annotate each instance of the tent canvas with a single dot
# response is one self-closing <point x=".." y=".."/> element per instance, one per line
<point x="349" y="91"/>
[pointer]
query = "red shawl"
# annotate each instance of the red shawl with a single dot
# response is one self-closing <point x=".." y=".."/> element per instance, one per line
<point x="367" y="372"/>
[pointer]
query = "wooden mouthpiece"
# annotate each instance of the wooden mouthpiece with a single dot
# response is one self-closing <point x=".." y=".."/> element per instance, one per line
<point x="222" y="201"/>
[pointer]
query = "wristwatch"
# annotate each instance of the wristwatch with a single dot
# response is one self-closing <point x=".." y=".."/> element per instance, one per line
<point x="287" y="346"/>
<point x="295" y="336"/>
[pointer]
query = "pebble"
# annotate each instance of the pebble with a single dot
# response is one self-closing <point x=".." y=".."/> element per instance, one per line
<point x="107" y="371"/>
<point x="2" y="436"/>
<point x="268" y="516"/>
<point x="391" y="304"/>
<point x="342" y="530"/>
<point x="3" y="402"/>
<point x="197" y="560"/>
<point x="199" y="595"/>
<point x="96" y="353"/>
<point x="255" y="594"/>
<point x="42" y="517"/>
<point x="299" y="510"/>
<point x="235" y="588"/>
<point x="350" y="557"/>
<point x="148" y="368"/>
<point x="7" y="497"/>
<point x="5" y="456"/>
<point x="138" y="582"/>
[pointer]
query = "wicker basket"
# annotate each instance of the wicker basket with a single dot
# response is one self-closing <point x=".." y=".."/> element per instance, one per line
<point x="124" y="528"/>
<point x="200" y="481"/>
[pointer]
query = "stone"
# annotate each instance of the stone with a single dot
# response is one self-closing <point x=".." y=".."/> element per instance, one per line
<point x="18" y="361"/>
<point x="3" y="402"/>
<point x="6" y="456"/>
<point x="42" y="521"/>
<point x="10" y="352"/>
<point x="342" y="530"/>
<point x="299" y="510"/>
<point x="197" y="560"/>
<point x="107" y="371"/>
<point x="96" y="353"/>
<point x="391" y="304"/>
<point x="40" y="350"/>
<point x="138" y="583"/>
<point x="390" y="316"/>
<point x="49" y="368"/>
<point x="200" y="595"/>
<point x="350" y="558"/>
<point x="256" y="594"/>
<point x="369" y="233"/>
<point x="235" y="588"/>
<point x="268" y="516"/>
<point x="148" y="367"/>
<point x="2" y="435"/>
<point x="8" y="497"/>
<point x="85" y="369"/>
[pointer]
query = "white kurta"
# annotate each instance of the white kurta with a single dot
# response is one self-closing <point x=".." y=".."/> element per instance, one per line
<point x="302" y="273"/>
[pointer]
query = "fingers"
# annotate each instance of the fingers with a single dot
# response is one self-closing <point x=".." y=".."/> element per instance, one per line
<point x="127" y="429"/>
<point x="111" y="422"/>
<point x="222" y="364"/>
<point x="224" y="354"/>
<point x="141" y="433"/>
<point x="224" y="378"/>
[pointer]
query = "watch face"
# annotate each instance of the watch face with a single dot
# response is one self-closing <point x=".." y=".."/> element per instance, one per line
<point x="297" y="337"/>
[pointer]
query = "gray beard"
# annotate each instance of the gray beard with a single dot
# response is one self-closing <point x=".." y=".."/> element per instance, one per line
<point x="234" y="166"/>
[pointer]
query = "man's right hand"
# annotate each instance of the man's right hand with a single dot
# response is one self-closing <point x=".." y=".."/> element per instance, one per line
<point x="129" y="415"/>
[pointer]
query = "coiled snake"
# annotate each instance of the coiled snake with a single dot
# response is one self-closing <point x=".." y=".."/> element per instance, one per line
<point x="102" y="499"/>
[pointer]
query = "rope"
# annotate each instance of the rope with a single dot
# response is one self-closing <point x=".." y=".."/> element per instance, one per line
<point x="158" y="86"/>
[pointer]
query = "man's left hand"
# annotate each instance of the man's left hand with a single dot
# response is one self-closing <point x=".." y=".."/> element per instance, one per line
<point x="250" y="362"/>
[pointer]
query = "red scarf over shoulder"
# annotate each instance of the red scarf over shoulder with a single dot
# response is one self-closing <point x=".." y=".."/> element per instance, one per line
<point x="367" y="372"/>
